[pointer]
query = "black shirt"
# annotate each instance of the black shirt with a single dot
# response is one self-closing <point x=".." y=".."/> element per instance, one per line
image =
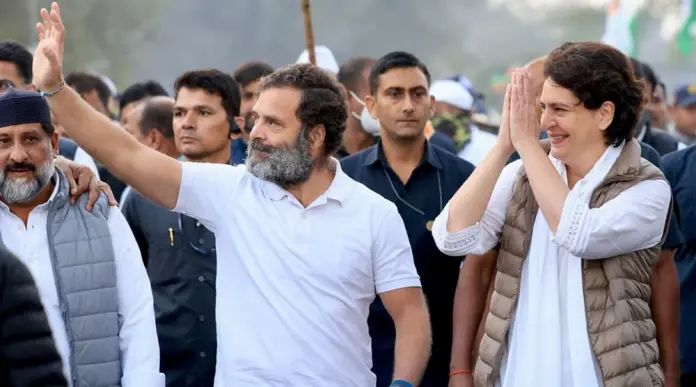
<point x="181" y="262"/>
<point x="431" y="185"/>
<point x="28" y="354"/>
<point x="674" y="238"/>
<point x="680" y="170"/>
<point x="660" y="140"/>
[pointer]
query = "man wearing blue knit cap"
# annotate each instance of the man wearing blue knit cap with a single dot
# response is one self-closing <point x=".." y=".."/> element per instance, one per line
<point x="86" y="264"/>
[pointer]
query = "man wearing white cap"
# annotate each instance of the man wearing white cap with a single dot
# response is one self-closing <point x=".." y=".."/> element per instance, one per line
<point x="325" y="59"/>
<point x="454" y="104"/>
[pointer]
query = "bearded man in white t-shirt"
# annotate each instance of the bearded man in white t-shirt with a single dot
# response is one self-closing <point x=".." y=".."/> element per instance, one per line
<point x="302" y="248"/>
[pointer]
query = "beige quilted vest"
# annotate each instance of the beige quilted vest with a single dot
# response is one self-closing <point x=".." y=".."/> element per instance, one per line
<point x="617" y="289"/>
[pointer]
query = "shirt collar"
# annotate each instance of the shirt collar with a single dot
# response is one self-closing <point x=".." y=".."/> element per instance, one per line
<point x="183" y="159"/>
<point x="339" y="189"/>
<point x="376" y="152"/>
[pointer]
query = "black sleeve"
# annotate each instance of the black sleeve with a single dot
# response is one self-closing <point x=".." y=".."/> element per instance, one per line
<point x="674" y="238"/>
<point x="28" y="354"/>
<point x="130" y="211"/>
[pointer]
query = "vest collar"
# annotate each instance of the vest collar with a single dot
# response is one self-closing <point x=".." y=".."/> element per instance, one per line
<point x="628" y="163"/>
<point x="61" y="192"/>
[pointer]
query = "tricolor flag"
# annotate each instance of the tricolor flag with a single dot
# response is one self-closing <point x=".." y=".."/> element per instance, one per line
<point x="680" y="27"/>
<point x="685" y="36"/>
<point x="620" y="30"/>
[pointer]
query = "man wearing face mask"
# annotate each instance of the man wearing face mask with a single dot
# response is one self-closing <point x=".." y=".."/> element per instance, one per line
<point x="419" y="178"/>
<point x="453" y="109"/>
<point x="362" y="130"/>
<point x="662" y="141"/>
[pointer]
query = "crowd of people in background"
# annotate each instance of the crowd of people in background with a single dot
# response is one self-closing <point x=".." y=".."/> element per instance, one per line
<point x="354" y="224"/>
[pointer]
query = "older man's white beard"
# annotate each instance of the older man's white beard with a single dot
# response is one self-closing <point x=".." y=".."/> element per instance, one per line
<point x="284" y="167"/>
<point x="24" y="190"/>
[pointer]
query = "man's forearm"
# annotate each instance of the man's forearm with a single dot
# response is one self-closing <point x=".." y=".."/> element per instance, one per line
<point x="413" y="341"/>
<point x="665" y="310"/>
<point x="469" y="305"/>
<point x="468" y="205"/>
<point x="549" y="189"/>
<point x="154" y="175"/>
<point x="92" y="131"/>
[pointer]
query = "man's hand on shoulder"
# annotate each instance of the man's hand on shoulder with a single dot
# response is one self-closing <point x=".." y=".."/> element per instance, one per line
<point x="82" y="179"/>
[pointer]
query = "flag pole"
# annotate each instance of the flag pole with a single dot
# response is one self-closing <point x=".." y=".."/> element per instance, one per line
<point x="309" y="34"/>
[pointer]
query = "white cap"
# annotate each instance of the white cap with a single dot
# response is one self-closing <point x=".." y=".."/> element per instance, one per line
<point x="325" y="58"/>
<point x="109" y="83"/>
<point x="452" y="93"/>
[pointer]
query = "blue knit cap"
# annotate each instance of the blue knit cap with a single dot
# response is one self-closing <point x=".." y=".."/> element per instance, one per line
<point x="19" y="107"/>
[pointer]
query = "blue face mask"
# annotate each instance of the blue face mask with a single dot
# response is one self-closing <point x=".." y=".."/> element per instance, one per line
<point x="370" y="125"/>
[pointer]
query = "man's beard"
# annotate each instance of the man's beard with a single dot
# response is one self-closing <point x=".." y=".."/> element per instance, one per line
<point x="285" y="166"/>
<point x="24" y="190"/>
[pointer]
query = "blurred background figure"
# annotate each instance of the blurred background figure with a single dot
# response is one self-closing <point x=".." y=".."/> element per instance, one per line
<point x="28" y="355"/>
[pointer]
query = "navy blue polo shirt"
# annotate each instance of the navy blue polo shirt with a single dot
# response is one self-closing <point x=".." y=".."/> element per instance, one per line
<point x="444" y="142"/>
<point x="680" y="169"/>
<point x="238" y="151"/>
<point x="674" y="238"/>
<point x="431" y="185"/>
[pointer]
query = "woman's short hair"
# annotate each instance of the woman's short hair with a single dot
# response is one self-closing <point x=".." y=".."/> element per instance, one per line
<point x="596" y="73"/>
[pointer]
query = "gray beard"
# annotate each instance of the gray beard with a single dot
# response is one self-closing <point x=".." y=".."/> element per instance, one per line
<point x="20" y="191"/>
<point x="284" y="167"/>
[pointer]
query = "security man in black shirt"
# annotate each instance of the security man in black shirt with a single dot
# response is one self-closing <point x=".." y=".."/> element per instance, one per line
<point x="179" y="251"/>
<point x="420" y="178"/>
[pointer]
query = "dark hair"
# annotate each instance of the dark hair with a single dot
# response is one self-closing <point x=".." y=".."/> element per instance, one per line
<point x="214" y="82"/>
<point x="85" y="83"/>
<point x="596" y="73"/>
<point x="350" y="72"/>
<point x="139" y="91"/>
<point x="157" y="115"/>
<point x="250" y="72"/>
<point x="395" y="60"/>
<point x="664" y="87"/>
<point x="14" y="52"/>
<point x="650" y="76"/>
<point x="323" y="100"/>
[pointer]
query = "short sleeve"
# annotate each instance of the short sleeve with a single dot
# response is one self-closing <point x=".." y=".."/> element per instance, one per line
<point x="206" y="191"/>
<point x="393" y="265"/>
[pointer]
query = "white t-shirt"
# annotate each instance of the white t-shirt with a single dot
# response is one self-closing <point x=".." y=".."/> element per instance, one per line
<point x="294" y="284"/>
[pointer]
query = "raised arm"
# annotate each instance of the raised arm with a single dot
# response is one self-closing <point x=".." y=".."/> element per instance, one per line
<point x="154" y="175"/>
<point x="468" y="205"/>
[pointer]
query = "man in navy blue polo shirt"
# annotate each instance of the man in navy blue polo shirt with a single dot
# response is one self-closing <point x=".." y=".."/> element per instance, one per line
<point x="680" y="169"/>
<point x="419" y="178"/>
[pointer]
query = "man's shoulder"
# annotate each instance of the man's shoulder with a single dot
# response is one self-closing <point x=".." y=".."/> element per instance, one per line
<point x="679" y="159"/>
<point x="352" y="164"/>
<point x="137" y="200"/>
<point x="101" y="206"/>
<point x="362" y="198"/>
<point x="451" y="162"/>
<point x="649" y="153"/>
<point x="663" y="135"/>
